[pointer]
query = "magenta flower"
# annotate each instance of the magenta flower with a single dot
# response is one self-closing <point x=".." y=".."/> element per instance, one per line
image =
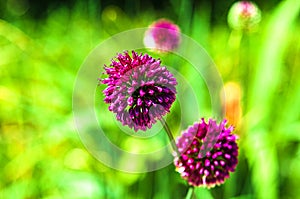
<point x="162" y="35"/>
<point x="139" y="90"/>
<point x="208" y="152"/>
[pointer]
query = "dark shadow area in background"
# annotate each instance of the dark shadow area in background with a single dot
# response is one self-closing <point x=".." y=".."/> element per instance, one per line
<point x="39" y="10"/>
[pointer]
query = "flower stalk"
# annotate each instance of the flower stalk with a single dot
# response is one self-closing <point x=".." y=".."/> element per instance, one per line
<point x="170" y="136"/>
<point x="190" y="192"/>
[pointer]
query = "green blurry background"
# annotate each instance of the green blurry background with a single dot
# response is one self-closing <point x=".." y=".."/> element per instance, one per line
<point x="44" y="43"/>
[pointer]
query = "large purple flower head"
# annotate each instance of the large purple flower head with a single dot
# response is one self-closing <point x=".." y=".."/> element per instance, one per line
<point x="139" y="90"/>
<point x="162" y="35"/>
<point x="208" y="152"/>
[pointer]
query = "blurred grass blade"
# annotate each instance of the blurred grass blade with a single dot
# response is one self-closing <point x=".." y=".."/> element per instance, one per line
<point x="14" y="35"/>
<point x="261" y="150"/>
<point x="262" y="156"/>
<point x="190" y="193"/>
<point x="270" y="61"/>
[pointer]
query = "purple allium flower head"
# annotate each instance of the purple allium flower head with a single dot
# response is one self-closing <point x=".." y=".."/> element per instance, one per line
<point x="139" y="90"/>
<point x="208" y="152"/>
<point x="244" y="15"/>
<point x="162" y="35"/>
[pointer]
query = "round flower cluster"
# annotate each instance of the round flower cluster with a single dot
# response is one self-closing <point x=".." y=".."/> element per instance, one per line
<point x="139" y="90"/>
<point x="244" y="15"/>
<point x="162" y="35"/>
<point x="208" y="152"/>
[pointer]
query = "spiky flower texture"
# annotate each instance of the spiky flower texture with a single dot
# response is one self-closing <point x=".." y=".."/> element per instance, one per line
<point x="208" y="152"/>
<point x="139" y="90"/>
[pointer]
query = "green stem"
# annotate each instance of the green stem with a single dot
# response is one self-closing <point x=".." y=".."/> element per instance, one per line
<point x="190" y="193"/>
<point x="171" y="138"/>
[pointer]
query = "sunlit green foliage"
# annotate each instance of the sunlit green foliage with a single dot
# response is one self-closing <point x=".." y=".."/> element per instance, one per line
<point x="41" y="155"/>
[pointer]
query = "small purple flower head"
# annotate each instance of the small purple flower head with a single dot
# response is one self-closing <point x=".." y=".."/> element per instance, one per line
<point x="244" y="15"/>
<point x="139" y="90"/>
<point x="208" y="152"/>
<point x="162" y="35"/>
